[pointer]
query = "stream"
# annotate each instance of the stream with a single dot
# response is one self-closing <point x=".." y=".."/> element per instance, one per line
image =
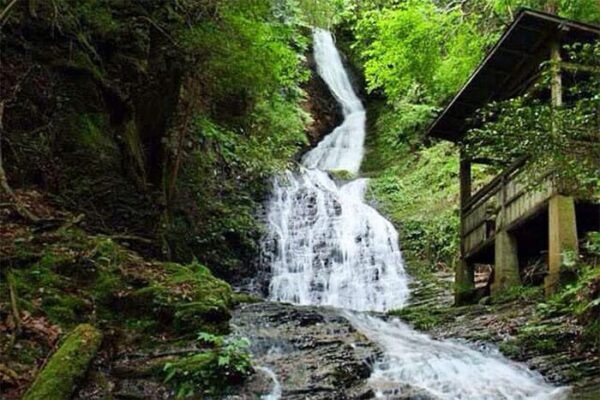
<point x="334" y="266"/>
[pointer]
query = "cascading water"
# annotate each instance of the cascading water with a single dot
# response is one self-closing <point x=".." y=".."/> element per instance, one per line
<point x="325" y="246"/>
<point x="343" y="148"/>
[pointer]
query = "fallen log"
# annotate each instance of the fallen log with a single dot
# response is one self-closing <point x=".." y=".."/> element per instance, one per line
<point x="67" y="366"/>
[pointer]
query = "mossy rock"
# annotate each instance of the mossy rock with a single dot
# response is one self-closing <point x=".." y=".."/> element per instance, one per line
<point x="420" y="317"/>
<point x="341" y="175"/>
<point x="187" y="297"/>
<point x="68" y="366"/>
<point x="246" y="298"/>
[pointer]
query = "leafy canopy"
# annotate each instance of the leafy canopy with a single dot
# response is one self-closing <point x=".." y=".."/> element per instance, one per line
<point x="563" y="141"/>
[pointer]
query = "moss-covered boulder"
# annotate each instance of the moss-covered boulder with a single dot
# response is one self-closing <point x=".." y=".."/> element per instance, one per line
<point x="189" y="298"/>
<point x="65" y="369"/>
<point x="341" y="175"/>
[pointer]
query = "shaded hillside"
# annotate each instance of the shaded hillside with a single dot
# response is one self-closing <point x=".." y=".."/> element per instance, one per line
<point x="157" y="120"/>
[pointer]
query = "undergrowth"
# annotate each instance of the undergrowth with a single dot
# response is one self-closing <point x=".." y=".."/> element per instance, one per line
<point x="213" y="371"/>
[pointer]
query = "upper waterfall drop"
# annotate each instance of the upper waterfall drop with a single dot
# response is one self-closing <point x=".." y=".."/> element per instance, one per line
<point x="343" y="148"/>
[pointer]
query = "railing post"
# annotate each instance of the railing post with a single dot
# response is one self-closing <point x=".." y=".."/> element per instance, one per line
<point x="464" y="278"/>
<point x="465" y="180"/>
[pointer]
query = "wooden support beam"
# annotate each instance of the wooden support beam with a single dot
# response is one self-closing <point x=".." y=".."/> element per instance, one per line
<point x="464" y="282"/>
<point x="465" y="179"/>
<point x="506" y="262"/>
<point x="562" y="239"/>
<point x="557" y="91"/>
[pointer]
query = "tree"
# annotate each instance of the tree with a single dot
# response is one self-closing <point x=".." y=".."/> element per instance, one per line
<point x="561" y="141"/>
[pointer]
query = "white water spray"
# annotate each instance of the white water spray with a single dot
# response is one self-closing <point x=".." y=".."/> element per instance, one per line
<point x="327" y="247"/>
<point x="446" y="370"/>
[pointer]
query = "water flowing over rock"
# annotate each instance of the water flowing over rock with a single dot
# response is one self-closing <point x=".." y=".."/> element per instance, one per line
<point x="326" y="247"/>
<point x="446" y="369"/>
<point x="305" y="353"/>
<point x="343" y="148"/>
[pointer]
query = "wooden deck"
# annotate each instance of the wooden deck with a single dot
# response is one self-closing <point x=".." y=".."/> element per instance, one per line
<point x="503" y="203"/>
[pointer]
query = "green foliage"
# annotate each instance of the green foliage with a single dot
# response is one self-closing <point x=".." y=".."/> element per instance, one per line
<point x="210" y="372"/>
<point x="418" y="192"/>
<point x="592" y="243"/>
<point x="242" y="50"/>
<point x="580" y="298"/>
<point x="322" y="13"/>
<point x="65" y="368"/>
<point x="562" y="141"/>
<point x="518" y="293"/>
<point x="418" y="50"/>
<point x="541" y="338"/>
<point x="582" y="10"/>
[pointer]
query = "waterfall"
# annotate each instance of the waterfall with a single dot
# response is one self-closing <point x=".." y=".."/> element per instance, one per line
<point x="343" y="148"/>
<point x="325" y="246"/>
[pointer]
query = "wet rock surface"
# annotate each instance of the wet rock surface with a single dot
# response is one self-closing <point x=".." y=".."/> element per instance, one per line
<point x="549" y="345"/>
<point x="314" y="352"/>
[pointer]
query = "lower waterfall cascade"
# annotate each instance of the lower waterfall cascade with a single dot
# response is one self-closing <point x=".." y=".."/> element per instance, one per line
<point x="326" y="247"/>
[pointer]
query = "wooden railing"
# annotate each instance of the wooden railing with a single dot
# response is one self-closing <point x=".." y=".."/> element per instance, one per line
<point x="503" y="201"/>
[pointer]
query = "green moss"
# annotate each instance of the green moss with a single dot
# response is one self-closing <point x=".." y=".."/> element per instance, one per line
<point x="192" y="297"/>
<point x="342" y="175"/>
<point x="91" y="131"/>
<point x="67" y="366"/>
<point x="510" y="348"/>
<point x="519" y="293"/>
<point x="541" y="338"/>
<point x="65" y="309"/>
<point x="241" y="298"/>
<point x="421" y="317"/>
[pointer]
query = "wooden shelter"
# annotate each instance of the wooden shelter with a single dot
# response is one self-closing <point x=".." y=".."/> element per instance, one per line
<point x="503" y="222"/>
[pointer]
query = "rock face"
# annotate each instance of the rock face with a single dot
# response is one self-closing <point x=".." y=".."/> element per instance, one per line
<point x="311" y="352"/>
<point x="321" y="105"/>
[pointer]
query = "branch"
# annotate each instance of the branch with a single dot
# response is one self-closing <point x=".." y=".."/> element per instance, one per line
<point x="6" y="10"/>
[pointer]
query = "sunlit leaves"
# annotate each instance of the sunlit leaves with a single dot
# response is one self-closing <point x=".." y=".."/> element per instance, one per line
<point x="419" y="48"/>
<point x="563" y="140"/>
